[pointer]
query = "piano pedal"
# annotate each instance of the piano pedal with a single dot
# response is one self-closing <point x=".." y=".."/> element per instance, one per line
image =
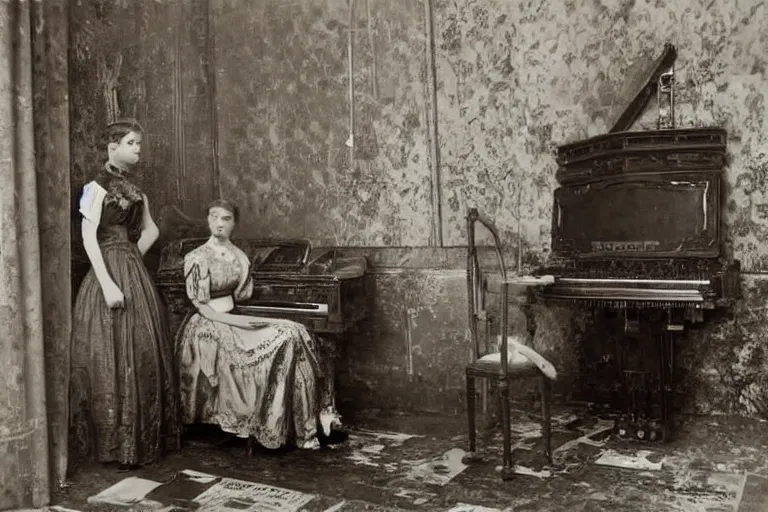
<point x="644" y="430"/>
<point x="631" y="322"/>
<point x="632" y="326"/>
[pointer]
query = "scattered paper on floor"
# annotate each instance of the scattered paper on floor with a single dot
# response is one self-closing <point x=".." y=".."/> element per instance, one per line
<point x="440" y="470"/>
<point x="128" y="492"/>
<point x="638" y="460"/>
<point x="336" y="507"/>
<point x="601" y="427"/>
<point x="465" y="507"/>
<point x="391" y="438"/>
<point x="524" y="470"/>
<point x="368" y="445"/>
<point x="699" y="490"/>
<point x="242" y="496"/>
<point x="526" y="429"/>
<point x="199" y="477"/>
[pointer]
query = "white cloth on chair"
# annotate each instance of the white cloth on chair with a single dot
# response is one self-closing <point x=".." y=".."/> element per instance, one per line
<point x="519" y="354"/>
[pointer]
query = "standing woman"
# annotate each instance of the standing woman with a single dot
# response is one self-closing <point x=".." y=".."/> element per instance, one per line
<point x="123" y="395"/>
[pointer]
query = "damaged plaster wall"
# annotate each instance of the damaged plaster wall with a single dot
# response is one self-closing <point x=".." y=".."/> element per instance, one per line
<point x="515" y="79"/>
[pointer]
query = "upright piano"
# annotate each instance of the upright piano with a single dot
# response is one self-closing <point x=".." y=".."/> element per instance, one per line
<point x="636" y="231"/>
<point x="323" y="288"/>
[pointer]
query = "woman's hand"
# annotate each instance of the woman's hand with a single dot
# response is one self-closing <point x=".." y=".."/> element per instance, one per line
<point x="112" y="295"/>
<point x="245" y="322"/>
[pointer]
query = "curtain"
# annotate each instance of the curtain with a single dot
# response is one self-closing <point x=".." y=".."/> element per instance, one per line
<point x="35" y="298"/>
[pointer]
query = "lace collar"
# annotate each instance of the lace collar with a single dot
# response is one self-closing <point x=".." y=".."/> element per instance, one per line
<point x="119" y="172"/>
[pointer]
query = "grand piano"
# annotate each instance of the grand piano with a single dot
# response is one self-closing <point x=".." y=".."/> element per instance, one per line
<point x="636" y="234"/>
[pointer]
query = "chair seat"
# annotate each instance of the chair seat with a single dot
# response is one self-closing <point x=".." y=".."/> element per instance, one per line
<point x="490" y="364"/>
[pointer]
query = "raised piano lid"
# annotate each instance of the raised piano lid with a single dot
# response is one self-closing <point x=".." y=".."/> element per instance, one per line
<point x="640" y="194"/>
<point x="640" y="89"/>
<point x="643" y="87"/>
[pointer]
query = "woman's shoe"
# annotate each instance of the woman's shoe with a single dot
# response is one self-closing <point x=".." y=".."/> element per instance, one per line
<point x="311" y="444"/>
<point x="330" y="420"/>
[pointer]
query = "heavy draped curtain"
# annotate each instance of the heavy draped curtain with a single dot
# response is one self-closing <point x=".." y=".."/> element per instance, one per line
<point x="35" y="290"/>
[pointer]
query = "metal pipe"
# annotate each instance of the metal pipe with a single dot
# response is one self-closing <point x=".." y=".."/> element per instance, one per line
<point x="351" y="70"/>
<point x="372" y="49"/>
<point x="214" y="119"/>
<point x="519" y="230"/>
<point x="178" y="115"/>
<point x="437" y="217"/>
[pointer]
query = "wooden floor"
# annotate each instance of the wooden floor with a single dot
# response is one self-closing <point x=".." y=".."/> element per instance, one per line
<point x="715" y="464"/>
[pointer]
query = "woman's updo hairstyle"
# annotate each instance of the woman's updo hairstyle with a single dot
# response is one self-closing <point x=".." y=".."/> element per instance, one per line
<point x="227" y="205"/>
<point x="114" y="132"/>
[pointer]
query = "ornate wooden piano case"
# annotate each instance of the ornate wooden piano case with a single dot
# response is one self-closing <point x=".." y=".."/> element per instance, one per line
<point x="636" y="233"/>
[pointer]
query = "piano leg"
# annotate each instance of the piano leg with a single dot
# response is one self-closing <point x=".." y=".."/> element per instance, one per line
<point x="648" y="406"/>
<point x="666" y="384"/>
<point x="328" y="353"/>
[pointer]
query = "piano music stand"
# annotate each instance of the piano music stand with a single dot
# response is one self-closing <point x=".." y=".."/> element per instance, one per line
<point x="499" y="367"/>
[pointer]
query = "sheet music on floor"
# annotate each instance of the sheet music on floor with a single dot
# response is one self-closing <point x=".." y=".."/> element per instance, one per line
<point x="243" y="496"/>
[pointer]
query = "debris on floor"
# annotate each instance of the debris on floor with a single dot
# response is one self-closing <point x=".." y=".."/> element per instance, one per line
<point x="638" y="460"/>
<point x="465" y="507"/>
<point x="440" y="470"/>
<point x="587" y="437"/>
<point x="129" y="492"/>
<point x="707" y="467"/>
<point x="525" y="470"/>
<point x="698" y="490"/>
<point x="239" y="495"/>
<point x="225" y="494"/>
<point x="367" y="447"/>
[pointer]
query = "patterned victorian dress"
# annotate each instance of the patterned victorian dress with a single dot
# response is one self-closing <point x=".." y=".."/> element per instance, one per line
<point x="259" y="383"/>
<point x="123" y="395"/>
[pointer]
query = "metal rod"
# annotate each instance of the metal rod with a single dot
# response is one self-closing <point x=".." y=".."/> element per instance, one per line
<point x="372" y="49"/>
<point x="519" y="230"/>
<point x="437" y="216"/>
<point x="351" y="71"/>
<point x="211" y="63"/>
<point x="178" y="114"/>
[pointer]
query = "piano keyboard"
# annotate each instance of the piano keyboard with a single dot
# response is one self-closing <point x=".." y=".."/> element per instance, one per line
<point x="305" y="308"/>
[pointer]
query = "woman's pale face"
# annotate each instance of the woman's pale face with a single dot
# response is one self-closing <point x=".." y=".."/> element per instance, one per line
<point x="221" y="222"/>
<point x="127" y="151"/>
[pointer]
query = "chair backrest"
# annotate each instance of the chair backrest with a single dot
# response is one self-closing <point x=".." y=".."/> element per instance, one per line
<point x="476" y="285"/>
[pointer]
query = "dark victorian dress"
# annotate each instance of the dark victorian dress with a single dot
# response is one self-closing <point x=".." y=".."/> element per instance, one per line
<point x="124" y="403"/>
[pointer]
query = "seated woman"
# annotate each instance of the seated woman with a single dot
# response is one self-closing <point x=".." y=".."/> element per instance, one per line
<point x="255" y="377"/>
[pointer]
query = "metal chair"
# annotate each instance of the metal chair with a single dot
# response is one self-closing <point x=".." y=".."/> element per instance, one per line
<point x="515" y="360"/>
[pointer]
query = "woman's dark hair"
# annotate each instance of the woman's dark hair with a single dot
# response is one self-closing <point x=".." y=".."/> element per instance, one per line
<point x="114" y="132"/>
<point x="227" y="205"/>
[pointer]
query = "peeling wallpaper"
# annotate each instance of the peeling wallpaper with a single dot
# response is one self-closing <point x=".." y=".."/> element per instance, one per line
<point x="517" y="78"/>
<point x="514" y="80"/>
<point x="283" y="111"/>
